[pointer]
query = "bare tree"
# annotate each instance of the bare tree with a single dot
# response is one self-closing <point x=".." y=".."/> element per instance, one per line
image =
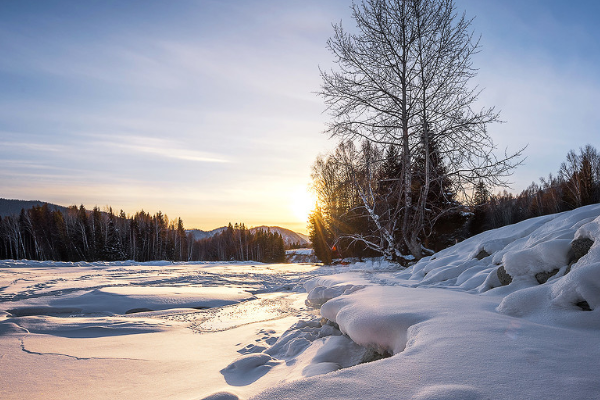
<point x="402" y="80"/>
<point x="580" y="172"/>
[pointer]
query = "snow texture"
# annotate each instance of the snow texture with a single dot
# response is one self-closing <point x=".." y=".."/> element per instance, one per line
<point x="454" y="332"/>
<point x="444" y="328"/>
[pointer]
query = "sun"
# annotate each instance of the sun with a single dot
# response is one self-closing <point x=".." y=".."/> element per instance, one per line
<point x="302" y="203"/>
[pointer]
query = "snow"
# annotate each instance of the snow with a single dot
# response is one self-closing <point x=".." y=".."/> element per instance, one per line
<point x="444" y="328"/>
<point x="64" y="333"/>
<point x="130" y="299"/>
<point x="455" y="333"/>
<point x="306" y="251"/>
<point x="301" y="256"/>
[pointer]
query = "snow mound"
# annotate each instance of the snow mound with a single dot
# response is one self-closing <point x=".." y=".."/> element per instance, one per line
<point x="535" y="254"/>
<point x="324" y="288"/>
<point x="319" y="295"/>
<point x="370" y="323"/>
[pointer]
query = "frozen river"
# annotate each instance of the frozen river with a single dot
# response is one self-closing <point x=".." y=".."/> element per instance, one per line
<point x="140" y="330"/>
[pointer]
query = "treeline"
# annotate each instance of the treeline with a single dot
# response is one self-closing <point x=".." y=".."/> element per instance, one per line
<point x="42" y="233"/>
<point x="236" y="243"/>
<point x="576" y="184"/>
<point x="361" y="203"/>
<point x="77" y="234"/>
<point x="354" y="197"/>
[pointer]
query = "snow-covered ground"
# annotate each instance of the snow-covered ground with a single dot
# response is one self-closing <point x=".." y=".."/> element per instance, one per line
<point x="131" y="330"/>
<point x="512" y="313"/>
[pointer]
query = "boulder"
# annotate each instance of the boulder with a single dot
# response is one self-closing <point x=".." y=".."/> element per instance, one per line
<point x="504" y="277"/>
<point x="542" y="277"/>
<point x="482" y="254"/>
<point x="584" y="305"/>
<point x="579" y="248"/>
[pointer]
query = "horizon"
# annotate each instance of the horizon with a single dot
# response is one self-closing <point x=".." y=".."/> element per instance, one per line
<point x="207" y="111"/>
<point x="130" y="214"/>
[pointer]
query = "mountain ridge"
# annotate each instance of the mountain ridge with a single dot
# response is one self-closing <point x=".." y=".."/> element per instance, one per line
<point x="289" y="237"/>
<point x="10" y="207"/>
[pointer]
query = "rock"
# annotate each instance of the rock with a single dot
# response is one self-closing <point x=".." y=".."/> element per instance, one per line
<point x="504" y="277"/>
<point x="373" y="355"/>
<point x="584" y="305"/>
<point x="579" y="248"/>
<point x="324" y="321"/>
<point x="482" y="254"/>
<point x="542" y="277"/>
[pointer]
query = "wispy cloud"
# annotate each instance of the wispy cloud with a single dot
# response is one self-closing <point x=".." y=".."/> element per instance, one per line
<point x="164" y="148"/>
<point x="37" y="147"/>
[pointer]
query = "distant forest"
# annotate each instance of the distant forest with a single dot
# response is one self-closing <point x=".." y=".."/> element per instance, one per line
<point x="576" y="184"/>
<point x="76" y="234"/>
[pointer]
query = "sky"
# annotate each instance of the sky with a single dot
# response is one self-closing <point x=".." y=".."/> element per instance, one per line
<point x="206" y="110"/>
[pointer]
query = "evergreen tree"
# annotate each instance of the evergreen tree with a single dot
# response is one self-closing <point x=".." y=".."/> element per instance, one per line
<point x="113" y="247"/>
<point x="320" y="236"/>
<point x="481" y="194"/>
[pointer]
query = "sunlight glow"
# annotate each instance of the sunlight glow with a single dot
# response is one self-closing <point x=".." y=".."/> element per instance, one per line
<point x="302" y="203"/>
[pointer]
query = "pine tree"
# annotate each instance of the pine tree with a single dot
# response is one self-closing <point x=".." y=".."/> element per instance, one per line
<point x="320" y="236"/>
<point x="113" y="247"/>
<point x="481" y="194"/>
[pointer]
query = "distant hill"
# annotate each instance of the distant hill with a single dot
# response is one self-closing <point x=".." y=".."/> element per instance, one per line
<point x="13" y="207"/>
<point x="200" y="234"/>
<point x="289" y="237"/>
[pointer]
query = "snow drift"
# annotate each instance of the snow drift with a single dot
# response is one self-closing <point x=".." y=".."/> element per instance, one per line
<point x="510" y="313"/>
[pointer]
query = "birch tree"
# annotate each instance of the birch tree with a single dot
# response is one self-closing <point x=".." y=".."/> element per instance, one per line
<point x="403" y="80"/>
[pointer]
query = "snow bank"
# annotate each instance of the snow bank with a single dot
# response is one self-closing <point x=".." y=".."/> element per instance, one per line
<point x="369" y="322"/>
<point x="524" y="250"/>
<point x="510" y="313"/>
<point x="322" y="289"/>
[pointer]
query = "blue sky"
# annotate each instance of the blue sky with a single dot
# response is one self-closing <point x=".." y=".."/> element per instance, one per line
<point x="206" y="109"/>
